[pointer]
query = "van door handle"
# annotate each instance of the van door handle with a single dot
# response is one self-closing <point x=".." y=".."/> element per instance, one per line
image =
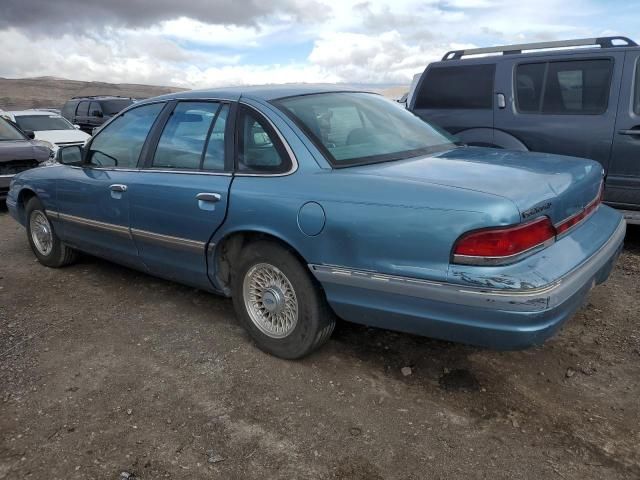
<point x="209" y="197"/>
<point x="632" y="132"/>
<point x="117" y="187"/>
<point x="502" y="102"/>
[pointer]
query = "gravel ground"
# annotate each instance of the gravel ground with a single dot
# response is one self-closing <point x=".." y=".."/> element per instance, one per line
<point x="105" y="370"/>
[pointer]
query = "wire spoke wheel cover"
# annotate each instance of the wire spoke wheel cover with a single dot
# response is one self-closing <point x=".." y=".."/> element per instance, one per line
<point x="270" y="300"/>
<point x="41" y="232"/>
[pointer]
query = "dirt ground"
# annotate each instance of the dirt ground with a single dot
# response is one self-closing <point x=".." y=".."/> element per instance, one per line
<point x="104" y="370"/>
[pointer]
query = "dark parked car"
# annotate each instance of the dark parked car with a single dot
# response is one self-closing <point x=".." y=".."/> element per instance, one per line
<point x="91" y="112"/>
<point x="582" y="101"/>
<point x="17" y="153"/>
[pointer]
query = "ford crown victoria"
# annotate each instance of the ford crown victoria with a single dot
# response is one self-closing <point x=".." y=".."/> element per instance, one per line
<point x="305" y="203"/>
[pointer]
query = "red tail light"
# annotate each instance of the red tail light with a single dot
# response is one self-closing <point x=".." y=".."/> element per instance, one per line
<point x="504" y="244"/>
<point x="570" y="222"/>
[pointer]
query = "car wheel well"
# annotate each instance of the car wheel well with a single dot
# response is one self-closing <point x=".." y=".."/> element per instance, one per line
<point x="230" y="247"/>
<point x="24" y="196"/>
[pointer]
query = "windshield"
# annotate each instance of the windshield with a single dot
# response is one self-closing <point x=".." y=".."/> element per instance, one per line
<point x="111" y="107"/>
<point x="38" y="123"/>
<point x="9" y="132"/>
<point x="360" y="128"/>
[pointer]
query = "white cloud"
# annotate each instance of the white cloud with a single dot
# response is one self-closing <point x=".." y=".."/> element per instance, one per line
<point x="373" y="41"/>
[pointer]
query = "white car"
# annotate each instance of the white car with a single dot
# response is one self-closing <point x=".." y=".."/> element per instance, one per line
<point x="49" y="128"/>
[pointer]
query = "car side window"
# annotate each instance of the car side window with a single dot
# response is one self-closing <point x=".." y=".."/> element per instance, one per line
<point x="184" y="136"/>
<point x="83" y="109"/>
<point x="119" y="143"/>
<point x="575" y="87"/>
<point x="463" y="87"/>
<point x="636" y="91"/>
<point x="259" y="148"/>
<point x="95" y="110"/>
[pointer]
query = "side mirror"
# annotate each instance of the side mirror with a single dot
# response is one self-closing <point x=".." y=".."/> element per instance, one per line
<point x="76" y="126"/>
<point x="97" y="113"/>
<point x="30" y="134"/>
<point x="71" y="155"/>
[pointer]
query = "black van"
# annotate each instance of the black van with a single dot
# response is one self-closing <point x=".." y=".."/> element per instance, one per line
<point x="91" y="112"/>
<point x="574" y="97"/>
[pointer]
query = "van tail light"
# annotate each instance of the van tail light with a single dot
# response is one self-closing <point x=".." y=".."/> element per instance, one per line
<point x="502" y="245"/>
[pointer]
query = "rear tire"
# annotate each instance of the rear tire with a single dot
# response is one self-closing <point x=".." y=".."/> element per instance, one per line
<point x="45" y="243"/>
<point x="278" y="303"/>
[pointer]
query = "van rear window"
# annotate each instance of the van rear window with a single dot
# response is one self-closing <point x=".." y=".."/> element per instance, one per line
<point x="463" y="87"/>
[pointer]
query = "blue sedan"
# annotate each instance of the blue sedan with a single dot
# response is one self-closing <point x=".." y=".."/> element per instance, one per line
<point x="308" y="203"/>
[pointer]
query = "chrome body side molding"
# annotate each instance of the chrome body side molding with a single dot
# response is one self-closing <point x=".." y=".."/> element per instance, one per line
<point x="167" y="240"/>
<point x="136" y="234"/>
<point x="87" y="222"/>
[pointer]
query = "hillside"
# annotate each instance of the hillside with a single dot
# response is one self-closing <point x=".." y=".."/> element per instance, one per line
<point x="53" y="92"/>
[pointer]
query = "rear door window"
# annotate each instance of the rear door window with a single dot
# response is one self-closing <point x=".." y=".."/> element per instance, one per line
<point x="578" y="87"/>
<point x="95" y="110"/>
<point x="83" y="109"/>
<point x="183" y="139"/>
<point x="461" y="87"/>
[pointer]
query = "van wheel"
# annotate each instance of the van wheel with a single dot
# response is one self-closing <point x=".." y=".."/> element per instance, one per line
<point x="278" y="303"/>
<point x="46" y="245"/>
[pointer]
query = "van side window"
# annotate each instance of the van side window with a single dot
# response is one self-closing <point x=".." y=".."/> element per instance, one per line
<point x="576" y="87"/>
<point x="468" y="86"/>
<point x="636" y="91"/>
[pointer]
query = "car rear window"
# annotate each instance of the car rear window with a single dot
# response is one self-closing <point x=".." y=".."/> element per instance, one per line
<point x="359" y="128"/>
<point x="463" y="87"/>
<point x="575" y="87"/>
<point x="39" y="123"/>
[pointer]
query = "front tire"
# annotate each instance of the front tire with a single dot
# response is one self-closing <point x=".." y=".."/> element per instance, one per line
<point x="278" y="303"/>
<point x="45" y="243"/>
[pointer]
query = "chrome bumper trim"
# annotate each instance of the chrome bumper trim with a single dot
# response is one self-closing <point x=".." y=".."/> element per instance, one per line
<point x="515" y="300"/>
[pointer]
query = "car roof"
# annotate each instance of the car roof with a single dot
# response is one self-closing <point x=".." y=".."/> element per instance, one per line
<point x="100" y="97"/>
<point x="261" y="92"/>
<point x="44" y="113"/>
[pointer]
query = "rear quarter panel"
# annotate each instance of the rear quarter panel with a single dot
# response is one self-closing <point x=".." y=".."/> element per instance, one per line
<point x="374" y="224"/>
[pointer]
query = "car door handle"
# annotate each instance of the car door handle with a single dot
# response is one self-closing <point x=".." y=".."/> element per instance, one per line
<point x="209" y="197"/>
<point x="117" y="187"/>
<point x="632" y="132"/>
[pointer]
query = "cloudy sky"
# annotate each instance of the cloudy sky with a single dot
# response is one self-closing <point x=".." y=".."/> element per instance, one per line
<point x="197" y="43"/>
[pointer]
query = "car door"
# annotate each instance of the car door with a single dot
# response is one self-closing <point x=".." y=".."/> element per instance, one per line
<point x="623" y="179"/>
<point x="95" y="118"/>
<point x="82" y="115"/>
<point x="93" y="199"/>
<point x="180" y="198"/>
<point x="563" y="104"/>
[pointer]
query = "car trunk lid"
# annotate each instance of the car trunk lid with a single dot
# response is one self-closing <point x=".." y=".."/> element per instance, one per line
<point x="537" y="183"/>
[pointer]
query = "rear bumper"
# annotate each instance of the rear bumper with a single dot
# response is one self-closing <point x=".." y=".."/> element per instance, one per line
<point x="495" y="318"/>
<point x="631" y="216"/>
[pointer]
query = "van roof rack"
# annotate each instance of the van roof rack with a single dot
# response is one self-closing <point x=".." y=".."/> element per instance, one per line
<point x="603" y="42"/>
